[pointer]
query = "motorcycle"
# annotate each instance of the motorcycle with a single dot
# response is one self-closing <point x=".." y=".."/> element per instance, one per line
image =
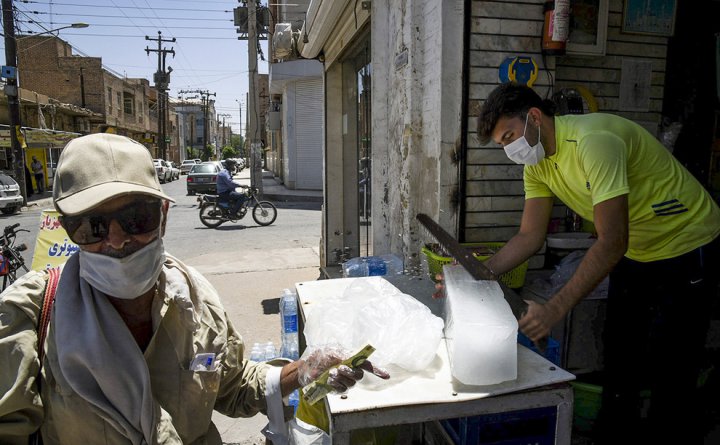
<point x="213" y="212"/>
<point x="10" y="259"/>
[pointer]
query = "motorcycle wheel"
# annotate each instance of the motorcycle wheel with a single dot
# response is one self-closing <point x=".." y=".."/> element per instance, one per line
<point x="264" y="213"/>
<point x="211" y="215"/>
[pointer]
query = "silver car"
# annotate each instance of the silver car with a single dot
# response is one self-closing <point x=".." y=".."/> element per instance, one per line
<point x="10" y="198"/>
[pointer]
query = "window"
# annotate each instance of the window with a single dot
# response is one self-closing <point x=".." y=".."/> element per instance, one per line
<point x="128" y="103"/>
<point x="109" y="98"/>
<point x="588" y="28"/>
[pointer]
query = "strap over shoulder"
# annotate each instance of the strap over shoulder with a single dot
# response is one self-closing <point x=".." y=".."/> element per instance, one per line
<point x="47" y="304"/>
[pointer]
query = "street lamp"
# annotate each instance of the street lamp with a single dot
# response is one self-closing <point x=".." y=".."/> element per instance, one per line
<point x="50" y="31"/>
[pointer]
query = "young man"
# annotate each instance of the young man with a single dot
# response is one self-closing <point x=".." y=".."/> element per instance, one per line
<point x="658" y="239"/>
<point x="139" y="348"/>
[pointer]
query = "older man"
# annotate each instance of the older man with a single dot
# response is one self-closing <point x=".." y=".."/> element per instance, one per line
<point x="139" y="348"/>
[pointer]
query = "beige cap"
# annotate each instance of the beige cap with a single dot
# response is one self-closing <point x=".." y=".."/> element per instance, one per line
<point x="96" y="168"/>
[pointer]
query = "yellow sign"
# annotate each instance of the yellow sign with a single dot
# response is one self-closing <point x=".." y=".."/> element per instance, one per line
<point x="53" y="246"/>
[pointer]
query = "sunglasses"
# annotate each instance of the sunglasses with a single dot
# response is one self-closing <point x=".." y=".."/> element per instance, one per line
<point x="137" y="218"/>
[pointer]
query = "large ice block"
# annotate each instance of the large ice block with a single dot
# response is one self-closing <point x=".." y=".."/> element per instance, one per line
<point x="480" y="329"/>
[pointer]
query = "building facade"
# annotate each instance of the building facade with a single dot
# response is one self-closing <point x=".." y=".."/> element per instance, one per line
<point x="404" y="83"/>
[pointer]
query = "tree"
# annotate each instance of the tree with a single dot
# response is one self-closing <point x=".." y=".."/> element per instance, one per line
<point x="207" y="152"/>
<point x="229" y="152"/>
<point x="238" y="143"/>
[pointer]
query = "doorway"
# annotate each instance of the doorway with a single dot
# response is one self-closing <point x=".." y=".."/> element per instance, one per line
<point x="363" y="70"/>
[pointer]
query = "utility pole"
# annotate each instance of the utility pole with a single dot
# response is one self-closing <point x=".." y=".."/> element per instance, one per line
<point x="162" y="81"/>
<point x="9" y="72"/>
<point x="224" y="128"/>
<point x="246" y="18"/>
<point x="205" y="97"/>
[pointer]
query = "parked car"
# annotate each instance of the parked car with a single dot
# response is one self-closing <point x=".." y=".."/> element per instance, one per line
<point x="202" y="178"/>
<point x="186" y="165"/>
<point x="175" y="171"/>
<point x="10" y="198"/>
<point x="162" y="171"/>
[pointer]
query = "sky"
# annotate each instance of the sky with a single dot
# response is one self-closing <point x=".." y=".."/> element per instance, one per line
<point x="208" y="55"/>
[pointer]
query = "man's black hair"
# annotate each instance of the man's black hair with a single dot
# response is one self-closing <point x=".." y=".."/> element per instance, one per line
<point x="509" y="100"/>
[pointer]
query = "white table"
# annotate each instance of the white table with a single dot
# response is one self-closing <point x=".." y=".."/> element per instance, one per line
<point x="433" y="394"/>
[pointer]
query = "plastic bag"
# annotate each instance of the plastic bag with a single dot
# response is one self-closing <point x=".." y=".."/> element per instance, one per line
<point x="566" y="268"/>
<point x="372" y="311"/>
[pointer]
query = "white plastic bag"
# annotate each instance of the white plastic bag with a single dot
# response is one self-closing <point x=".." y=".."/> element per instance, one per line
<point x="565" y="270"/>
<point x="403" y="331"/>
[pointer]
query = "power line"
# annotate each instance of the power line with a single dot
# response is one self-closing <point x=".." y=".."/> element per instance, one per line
<point x="138" y="36"/>
<point x="121" y="26"/>
<point x="131" y="17"/>
<point x="136" y="7"/>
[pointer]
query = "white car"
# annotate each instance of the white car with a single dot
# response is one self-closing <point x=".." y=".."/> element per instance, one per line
<point x="162" y="170"/>
<point x="186" y="165"/>
<point x="175" y="171"/>
<point x="10" y="198"/>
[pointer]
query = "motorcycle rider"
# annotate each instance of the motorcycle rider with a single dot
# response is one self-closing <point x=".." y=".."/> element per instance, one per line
<point x="226" y="187"/>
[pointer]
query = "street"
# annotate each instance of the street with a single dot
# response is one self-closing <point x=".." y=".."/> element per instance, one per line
<point x="249" y="265"/>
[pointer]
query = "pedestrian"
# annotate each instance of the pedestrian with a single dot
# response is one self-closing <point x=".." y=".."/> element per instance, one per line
<point x="37" y="169"/>
<point x="657" y="237"/>
<point x="139" y="349"/>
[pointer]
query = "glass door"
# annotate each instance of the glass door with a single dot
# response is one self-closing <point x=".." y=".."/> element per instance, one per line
<point x="364" y="150"/>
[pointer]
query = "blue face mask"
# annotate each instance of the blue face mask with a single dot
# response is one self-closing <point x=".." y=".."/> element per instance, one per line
<point x="521" y="152"/>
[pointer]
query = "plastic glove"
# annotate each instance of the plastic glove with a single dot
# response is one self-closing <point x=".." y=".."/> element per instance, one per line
<point x="318" y="359"/>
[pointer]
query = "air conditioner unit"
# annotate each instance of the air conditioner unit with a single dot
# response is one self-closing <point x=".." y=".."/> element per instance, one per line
<point x="283" y="41"/>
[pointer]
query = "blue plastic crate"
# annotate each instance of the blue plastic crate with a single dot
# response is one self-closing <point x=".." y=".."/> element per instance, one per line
<point x="552" y="351"/>
<point x="531" y="426"/>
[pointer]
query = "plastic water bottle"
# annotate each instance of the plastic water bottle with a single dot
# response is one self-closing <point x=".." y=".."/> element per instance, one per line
<point x="257" y="354"/>
<point x="368" y="266"/>
<point x="289" y="319"/>
<point x="294" y="399"/>
<point x="270" y="351"/>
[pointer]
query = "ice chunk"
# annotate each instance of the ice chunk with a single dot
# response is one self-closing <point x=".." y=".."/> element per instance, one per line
<point x="480" y="329"/>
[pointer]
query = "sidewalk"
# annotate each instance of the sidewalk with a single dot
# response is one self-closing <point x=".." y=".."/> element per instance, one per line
<point x="273" y="190"/>
<point x="40" y="200"/>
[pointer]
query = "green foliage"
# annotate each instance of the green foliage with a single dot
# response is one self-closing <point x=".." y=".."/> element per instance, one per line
<point x="238" y="143"/>
<point x="207" y="153"/>
<point x="229" y="152"/>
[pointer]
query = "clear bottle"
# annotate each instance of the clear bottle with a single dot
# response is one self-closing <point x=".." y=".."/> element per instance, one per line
<point x="368" y="266"/>
<point x="289" y="319"/>
<point x="257" y="354"/>
<point x="294" y="399"/>
<point x="270" y="351"/>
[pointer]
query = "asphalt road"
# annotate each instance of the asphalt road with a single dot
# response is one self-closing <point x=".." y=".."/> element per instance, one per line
<point x="249" y="265"/>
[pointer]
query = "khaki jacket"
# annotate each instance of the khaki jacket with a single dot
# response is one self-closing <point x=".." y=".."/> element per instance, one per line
<point x="186" y="398"/>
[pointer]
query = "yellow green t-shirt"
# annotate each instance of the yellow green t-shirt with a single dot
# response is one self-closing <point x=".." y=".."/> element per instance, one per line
<point x="602" y="156"/>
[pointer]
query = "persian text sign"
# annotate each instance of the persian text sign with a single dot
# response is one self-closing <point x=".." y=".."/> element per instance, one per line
<point x="53" y="246"/>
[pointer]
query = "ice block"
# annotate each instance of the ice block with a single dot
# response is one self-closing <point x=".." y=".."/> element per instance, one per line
<point x="480" y="329"/>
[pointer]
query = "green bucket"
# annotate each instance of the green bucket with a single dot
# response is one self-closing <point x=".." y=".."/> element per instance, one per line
<point x="588" y="399"/>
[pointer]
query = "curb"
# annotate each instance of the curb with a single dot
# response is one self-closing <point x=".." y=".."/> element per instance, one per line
<point x="41" y="203"/>
<point x="279" y="197"/>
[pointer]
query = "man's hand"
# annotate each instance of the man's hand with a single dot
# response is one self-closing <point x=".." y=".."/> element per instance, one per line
<point x="439" y="286"/>
<point x="316" y="361"/>
<point x="539" y="320"/>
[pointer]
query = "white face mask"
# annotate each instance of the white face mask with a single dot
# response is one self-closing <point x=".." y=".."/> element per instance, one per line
<point x="521" y="152"/>
<point x="127" y="277"/>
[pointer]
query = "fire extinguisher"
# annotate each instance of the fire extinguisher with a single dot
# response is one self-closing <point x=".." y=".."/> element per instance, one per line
<point x="555" y="27"/>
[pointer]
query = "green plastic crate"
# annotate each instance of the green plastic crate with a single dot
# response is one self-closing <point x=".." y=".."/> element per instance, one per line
<point x="513" y="279"/>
